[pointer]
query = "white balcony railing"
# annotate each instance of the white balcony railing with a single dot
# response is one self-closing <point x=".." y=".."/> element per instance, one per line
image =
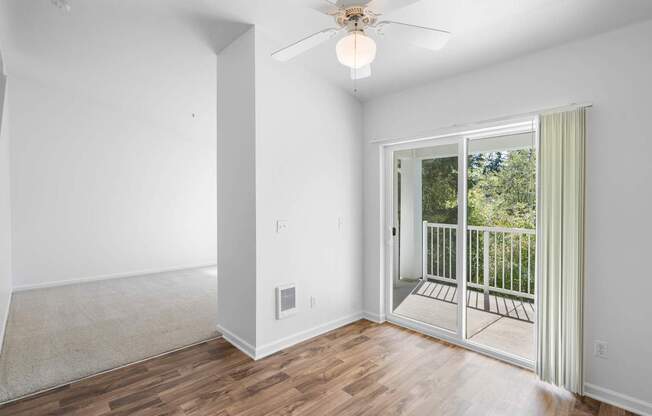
<point x="500" y="260"/>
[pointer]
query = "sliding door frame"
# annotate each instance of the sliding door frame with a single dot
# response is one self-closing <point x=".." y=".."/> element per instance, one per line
<point x="461" y="139"/>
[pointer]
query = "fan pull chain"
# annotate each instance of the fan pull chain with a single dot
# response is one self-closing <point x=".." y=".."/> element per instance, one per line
<point x="355" y="60"/>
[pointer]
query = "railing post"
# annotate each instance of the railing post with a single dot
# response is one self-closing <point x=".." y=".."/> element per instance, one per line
<point x="485" y="267"/>
<point x="424" y="250"/>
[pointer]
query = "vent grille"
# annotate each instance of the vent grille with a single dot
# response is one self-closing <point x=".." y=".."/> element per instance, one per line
<point x="286" y="301"/>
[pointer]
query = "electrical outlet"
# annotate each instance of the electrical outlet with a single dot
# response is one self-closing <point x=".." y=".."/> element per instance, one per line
<point x="281" y="226"/>
<point x="601" y="349"/>
<point x="340" y="223"/>
<point x="313" y="302"/>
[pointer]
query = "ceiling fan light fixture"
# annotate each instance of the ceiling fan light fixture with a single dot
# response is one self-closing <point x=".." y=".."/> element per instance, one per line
<point x="356" y="50"/>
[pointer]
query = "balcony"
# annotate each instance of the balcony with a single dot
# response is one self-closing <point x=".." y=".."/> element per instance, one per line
<point x="500" y="282"/>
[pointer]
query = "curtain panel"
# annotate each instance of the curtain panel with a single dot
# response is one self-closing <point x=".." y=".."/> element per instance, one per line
<point x="561" y="263"/>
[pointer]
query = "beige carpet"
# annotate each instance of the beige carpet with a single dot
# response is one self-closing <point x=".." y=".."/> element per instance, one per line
<point x="61" y="334"/>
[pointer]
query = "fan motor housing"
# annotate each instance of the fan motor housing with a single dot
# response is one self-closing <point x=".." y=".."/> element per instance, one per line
<point x="355" y="18"/>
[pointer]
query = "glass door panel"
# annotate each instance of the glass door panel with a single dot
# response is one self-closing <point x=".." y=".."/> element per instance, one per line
<point x="425" y="218"/>
<point x="500" y="243"/>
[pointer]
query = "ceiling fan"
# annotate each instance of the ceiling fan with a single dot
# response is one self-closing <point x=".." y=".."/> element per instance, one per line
<point x="358" y="18"/>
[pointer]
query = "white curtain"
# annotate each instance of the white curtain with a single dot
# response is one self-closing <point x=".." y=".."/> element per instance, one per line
<point x="562" y="170"/>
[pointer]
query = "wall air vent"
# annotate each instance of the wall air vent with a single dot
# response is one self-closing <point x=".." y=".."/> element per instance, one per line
<point x="286" y="301"/>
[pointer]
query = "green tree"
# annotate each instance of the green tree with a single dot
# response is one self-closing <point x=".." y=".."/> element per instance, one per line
<point x="501" y="193"/>
<point x="501" y="189"/>
<point x="439" y="185"/>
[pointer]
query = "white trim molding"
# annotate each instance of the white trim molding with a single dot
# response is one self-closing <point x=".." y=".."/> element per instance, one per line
<point x="374" y="317"/>
<point x="112" y="276"/>
<point x="286" y="342"/>
<point x="614" y="398"/>
<point x="3" y="330"/>
<point x="257" y="353"/>
<point x="478" y="127"/>
<point x="237" y="342"/>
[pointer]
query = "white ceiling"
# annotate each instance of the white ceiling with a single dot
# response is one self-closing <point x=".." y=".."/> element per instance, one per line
<point x="135" y="42"/>
<point x="483" y="32"/>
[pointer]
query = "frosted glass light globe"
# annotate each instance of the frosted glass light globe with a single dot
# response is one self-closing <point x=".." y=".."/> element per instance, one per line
<point x="356" y="50"/>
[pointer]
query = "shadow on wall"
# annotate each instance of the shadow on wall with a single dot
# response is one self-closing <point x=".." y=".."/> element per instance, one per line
<point x="216" y="33"/>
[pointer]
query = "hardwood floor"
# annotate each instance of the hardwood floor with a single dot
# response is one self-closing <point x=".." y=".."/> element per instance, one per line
<point x="360" y="369"/>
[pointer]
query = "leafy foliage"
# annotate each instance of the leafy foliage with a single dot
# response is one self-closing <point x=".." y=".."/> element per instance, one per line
<point x="501" y="193"/>
<point x="439" y="187"/>
<point x="501" y="189"/>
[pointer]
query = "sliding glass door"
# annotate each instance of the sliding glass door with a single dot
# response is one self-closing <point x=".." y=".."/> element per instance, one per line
<point x="462" y="215"/>
<point x="501" y="243"/>
<point x="425" y="217"/>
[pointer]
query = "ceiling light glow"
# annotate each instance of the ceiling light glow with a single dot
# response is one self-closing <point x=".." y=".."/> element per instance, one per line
<point x="356" y="50"/>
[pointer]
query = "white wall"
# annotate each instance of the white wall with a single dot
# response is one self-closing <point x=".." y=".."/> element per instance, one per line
<point x="99" y="188"/>
<point x="307" y="162"/>
<point x="613" y="72"/>
<point x="309" y="173"/>
<point x="236" y="267"/>
<point x="5" y="207"/>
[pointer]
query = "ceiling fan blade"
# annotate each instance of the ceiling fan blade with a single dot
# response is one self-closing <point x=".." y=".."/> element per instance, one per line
<point x="349" y="3"/>
<point x="384" y="6"/>
<point x="360" y="73"/>
<point x="425" y="37"/>
<point x="304" y="44"/>
<point x="323" y="6"/>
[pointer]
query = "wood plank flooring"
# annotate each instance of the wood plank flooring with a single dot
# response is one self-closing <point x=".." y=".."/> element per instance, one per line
<point x="360" y="369"/>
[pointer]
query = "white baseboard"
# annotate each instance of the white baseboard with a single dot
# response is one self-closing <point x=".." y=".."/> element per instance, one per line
<point x="374" y="317"/>
<point x="5" y="321"/>
<point x="273" y="347"/>
<point x="283" y="343"/>
<point x="237" y="342"/>
<point x="618" y="399"/>
<point x="110" y="276"/>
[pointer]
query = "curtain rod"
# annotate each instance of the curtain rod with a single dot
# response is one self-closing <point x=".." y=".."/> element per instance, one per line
<point x="454" y="129"/>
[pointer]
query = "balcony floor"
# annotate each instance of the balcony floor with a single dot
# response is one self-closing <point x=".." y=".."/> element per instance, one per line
<point x="506" y="325"/>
